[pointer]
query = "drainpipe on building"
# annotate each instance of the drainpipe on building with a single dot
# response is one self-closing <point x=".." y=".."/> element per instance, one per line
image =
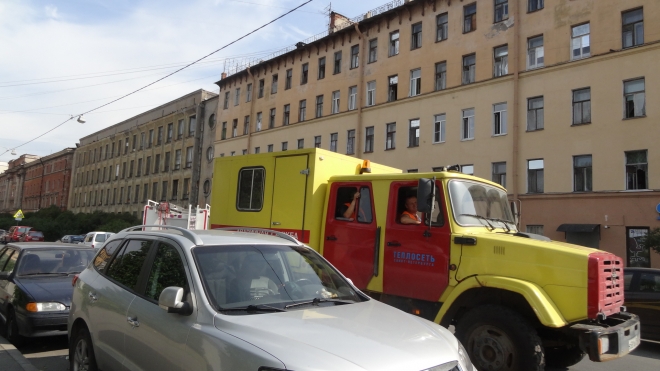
<point x="41" y="183"/>
<point x="197" y="158"/>
<point x="516" y="105"/>
<point x="252" y="118"/>
<point x="360" y="101"/>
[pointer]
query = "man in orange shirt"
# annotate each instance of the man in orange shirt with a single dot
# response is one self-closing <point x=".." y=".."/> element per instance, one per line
<point x="410" y="215"/>
<point x="349" y="208"/>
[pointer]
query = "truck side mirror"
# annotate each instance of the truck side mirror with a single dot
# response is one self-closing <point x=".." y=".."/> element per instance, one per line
<point x="425" y="196"/>
<point x="514" y="211"/>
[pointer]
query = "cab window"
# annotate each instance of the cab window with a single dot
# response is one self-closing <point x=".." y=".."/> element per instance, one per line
<point x="407" y="204"/>
<point x="250" y="195"/>
<point x="125" y="268"/>
<point x="167" y="270"/>
<point x="353" y="204"/>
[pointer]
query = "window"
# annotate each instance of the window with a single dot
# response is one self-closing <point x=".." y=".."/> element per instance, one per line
<point x="226" y="102"/>
<point x="369" y="139"/>
<point x="163" y="191"/>
<point x="501" y="10"/>
<point x="535" y="229"/>
<point x="371" y="93"/>
<point x="442" y="28"/>
<point x="499" y="173"/>
<point x="250" y="193"/>
<point x="273" y="86"/>
<point x="413" y="133"/>
<point x="581" y="106"/>
<point x="192" y="123"/>
<point x="287" y="114"/>
<point x="304" y="74"/>
<point x="335" y="102"/>
<point x="373" y="50"/>
<point x="534" y="113"/>
<point x="467" y="125"/>
<point x="179" y="133"/>
<point x="166" y="166"/>
<point x="271" y="120"/>
<point x="350" y="142"/>
<point x="636" y="170"/>
<point x="534" y="5"/>
<point x="270" y="148"/>
<point x="394" y="43"/>
<point x="137" y="194"/>
<point x="467" y="169"/>
<point x="147" y="168"/>
<point x="157" y="164"/>
<point x="634" y="98"/>
<point x="257" y="149"/>
<point x="125" y="268"/>
<point x="580" y="44"/>
<point x="470" y="18"/>
<point x="319" y="106"/>
<point x="234" y="128"/>
<point x="337" y="66"/>
<point x="633" y="28"/>
<point x="355" y="56"/>
<point x="145" y="193"/>
<point x="440" y="76"/>
<point x="186" y="188"/>
<point x="237" y="97"/>
<point x="246" y="125"/>
<point x="352" y="98"/>
<point x="301" y="143"/>
<point x="167" y="270"/>
<point x="248" y="93"/>
<point x="416" y="37"/>
<point x="535" y="52"/>
<point x="390" y="136"/>
<point x="260" y="93"/>
<point x="393" y="83"/>
<point x="333" y="141"/>
<point x="535" y="176"/>
<point x="139" y="168"/>
<point x="302" y="110"/>
<point x="159" y="137"/>
<point x="287" y="81"/>
<point x="582" y="178"/>
<point x="501" y="61"/>
<point x="170" y="131"/>
<point x="321" y="74"/>
<point x="439" y="127"/>
<point x="317" y="141"/>
<point x="149" y="144"/>
<point x="223" y="132"/>
<point x="285" y="146"/>
<point x="499" y="119"/>
<point x="259" y="118"/>
<point x="177" y="159"/>
<point x="469" y="68"/>
<point x="415" y="82"/>
<point x="189" y="157"/>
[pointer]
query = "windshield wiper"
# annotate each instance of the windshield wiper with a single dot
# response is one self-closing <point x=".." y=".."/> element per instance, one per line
<point x="506" y="223"/>
<point x="480" y="218"/>
<point x="45" y="273"/>
<point x="254" y="308"/>
<point x="317" y="301"/>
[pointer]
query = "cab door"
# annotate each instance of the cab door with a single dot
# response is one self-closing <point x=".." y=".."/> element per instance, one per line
<point x="350" y="242"/>
<point x="289" y="195"/>
<point x="416" y="260"/>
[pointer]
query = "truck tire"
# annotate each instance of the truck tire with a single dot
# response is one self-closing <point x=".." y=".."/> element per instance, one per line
<point x="562" y="357"/>
<point x="499" y="339"/>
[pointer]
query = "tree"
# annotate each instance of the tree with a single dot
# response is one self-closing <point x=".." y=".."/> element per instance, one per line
<point x="652" y="240"/>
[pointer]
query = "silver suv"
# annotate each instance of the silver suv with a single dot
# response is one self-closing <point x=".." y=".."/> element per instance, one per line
<point x="176" y="299"/>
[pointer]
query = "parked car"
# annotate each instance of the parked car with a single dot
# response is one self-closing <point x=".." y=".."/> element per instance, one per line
<point x="72" y="238"/>
<point x="642" y="297"/>
<point x="96" y="239"/>
<point x="31" y="236"/>
<point x="35" y="287"/>
<point x="14" y="233"/>
<point x="180" y="299"/>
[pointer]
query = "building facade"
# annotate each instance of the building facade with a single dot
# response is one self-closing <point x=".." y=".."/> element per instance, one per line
<point x="47" y="181"/>
<point x="148" y="157"/>
<point x="12" y="183"/>
<point x="548" y="98"/>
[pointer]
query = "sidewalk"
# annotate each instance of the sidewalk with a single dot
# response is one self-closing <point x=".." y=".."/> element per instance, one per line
<point x="11" y="359"/>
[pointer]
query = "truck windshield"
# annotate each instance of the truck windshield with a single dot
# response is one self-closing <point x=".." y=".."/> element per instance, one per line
<point x="472" y="202"/>
<point x="266" y="276"/>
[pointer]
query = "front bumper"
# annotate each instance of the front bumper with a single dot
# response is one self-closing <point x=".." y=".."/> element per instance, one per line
<point x="613" y="338"/>
<point x="42" y="324"/>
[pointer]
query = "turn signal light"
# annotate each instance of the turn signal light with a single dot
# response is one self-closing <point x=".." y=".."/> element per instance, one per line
<point x="31" y="307"/>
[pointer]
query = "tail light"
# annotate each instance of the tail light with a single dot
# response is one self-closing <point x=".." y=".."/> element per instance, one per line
<point x="605" y="284"/>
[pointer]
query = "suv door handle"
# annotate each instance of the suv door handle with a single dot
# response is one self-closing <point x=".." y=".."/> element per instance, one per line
<point x="133" y="322"/>
<point x="331" y="238"/>
<point x="393" y="243"/>
<point x="92" y="297"/>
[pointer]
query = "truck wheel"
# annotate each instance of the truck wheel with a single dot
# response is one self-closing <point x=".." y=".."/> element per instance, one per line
<point x="81" y="352"/>
<point x="562" y="357"/>
<point x="499" y="339"/>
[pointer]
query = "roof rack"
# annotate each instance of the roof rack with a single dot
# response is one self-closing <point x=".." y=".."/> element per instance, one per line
<point x="185" y="232"/>
<point x="262" y="231"/>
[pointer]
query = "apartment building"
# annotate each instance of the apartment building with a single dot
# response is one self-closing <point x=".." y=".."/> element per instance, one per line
<point x="47" y="181"/>
<point x="12" y="181"/>
<point x="546" y="97"/>
<point x="148" y="157"/>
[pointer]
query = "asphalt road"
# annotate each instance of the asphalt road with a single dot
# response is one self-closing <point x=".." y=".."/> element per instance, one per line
<point x="50" y="355"/>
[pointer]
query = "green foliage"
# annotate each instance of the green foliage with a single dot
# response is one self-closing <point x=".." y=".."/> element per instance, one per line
<point x="55" y="223"/>
<point x="652" y="240"/>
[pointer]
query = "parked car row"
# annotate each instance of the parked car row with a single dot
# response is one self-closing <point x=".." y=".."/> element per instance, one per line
<point x="15" y="233"/>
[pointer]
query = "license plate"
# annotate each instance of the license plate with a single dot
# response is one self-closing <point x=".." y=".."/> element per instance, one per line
<point x="633" y="343"/>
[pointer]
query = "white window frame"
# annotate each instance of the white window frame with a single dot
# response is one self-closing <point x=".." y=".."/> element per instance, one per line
<point x="467" y="124"/>
<point x="415" y="82"/>
<point x="439" y="128"/>
<point x="335" y="101"/>
<point x="536" y="54"/>
<point x="581" y="41"/>
<point x="500" y="111"/>
<point x="371" y="93"/>
<point x="352" y="98"/>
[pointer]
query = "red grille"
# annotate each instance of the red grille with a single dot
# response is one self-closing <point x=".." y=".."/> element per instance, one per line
<point x="605" y="284"/>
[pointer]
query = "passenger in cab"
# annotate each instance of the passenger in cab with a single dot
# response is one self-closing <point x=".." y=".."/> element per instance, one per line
<point x="410" y="215"/>
<point x="348" y="210"/>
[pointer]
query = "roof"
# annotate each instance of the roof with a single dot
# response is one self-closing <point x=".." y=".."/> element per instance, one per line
<point x="41" y="245"/>
<point x="240" y="236"/>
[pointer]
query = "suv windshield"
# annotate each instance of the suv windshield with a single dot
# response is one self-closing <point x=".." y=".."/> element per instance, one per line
<point x="273" y="276"/>
<point x="472" y="202"/>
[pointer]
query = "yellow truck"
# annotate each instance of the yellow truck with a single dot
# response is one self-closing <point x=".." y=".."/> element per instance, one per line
<point x="518" y="301"/>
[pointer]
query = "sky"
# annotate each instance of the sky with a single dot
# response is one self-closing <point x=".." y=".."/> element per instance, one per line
<point x="61" y="58"/>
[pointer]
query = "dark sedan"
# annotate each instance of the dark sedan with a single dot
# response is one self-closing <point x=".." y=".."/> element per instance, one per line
<point x="642" y="297"/>
<point x="35" y="287"/>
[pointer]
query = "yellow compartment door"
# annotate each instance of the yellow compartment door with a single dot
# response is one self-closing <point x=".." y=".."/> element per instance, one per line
<point x="289" y="194"/>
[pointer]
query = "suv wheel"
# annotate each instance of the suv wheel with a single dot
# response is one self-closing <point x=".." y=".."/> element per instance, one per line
<point x="81" y="352"/>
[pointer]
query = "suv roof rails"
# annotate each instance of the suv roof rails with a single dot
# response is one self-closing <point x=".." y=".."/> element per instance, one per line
<point x="185" y="232"/>
<point x="262" y="231"/>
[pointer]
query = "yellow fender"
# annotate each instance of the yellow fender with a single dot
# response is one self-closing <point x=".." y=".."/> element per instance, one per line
<point x="536" y="297"/>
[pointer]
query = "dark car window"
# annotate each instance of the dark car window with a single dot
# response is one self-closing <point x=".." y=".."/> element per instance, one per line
<point x="649" y="282"/>
<point x="167" y="270"/>
<point x="11" y="263"/>
<point x="126" y="267"/>
<point x="104" y="256"/>
<point x="627" y="280"/>
<point x="4" y="256"/>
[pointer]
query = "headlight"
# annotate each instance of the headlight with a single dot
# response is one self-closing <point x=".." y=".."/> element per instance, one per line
<point x="45" y="307"/>
<point x="464" y="359"/>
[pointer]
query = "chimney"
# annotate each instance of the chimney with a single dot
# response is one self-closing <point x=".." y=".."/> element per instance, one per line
<point x="223" y="76"/>
<point x="338" y="22"/>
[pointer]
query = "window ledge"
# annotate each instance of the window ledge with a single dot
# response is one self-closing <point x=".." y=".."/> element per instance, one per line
<point x="368" y="152"/>
<point x="499" y="135"/>
<point x="441" y="40"/>
<point x="534" y="11"/>
<point x="467" y="139"/>
<point x="417" y="146"/>
<point x="531" y="131"/>
<point x="633" y="118"/>
<point x="581" y="124"/>
<point x="390" y="149"/>
<point x="438" y="142"/>
<point x="465" y="32"/>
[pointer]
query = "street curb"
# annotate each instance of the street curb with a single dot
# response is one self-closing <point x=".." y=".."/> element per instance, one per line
<point x="16" y="355"/>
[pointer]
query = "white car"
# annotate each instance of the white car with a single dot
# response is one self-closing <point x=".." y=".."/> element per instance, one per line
<point x="180" y="299"/>
<point x="96" y="239"/>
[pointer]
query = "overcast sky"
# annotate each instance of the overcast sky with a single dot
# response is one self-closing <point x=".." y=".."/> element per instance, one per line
<point x="64" y="57"/>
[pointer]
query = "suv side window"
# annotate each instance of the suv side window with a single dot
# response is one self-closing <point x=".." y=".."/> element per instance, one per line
<point x="167" y="270"/>
<point x="104" y="256"/>
<point x="125" y="268"/>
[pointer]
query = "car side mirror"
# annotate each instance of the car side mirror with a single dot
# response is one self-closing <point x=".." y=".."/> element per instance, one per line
<point x="171" y="300"/>
<point x="425" y="195"/>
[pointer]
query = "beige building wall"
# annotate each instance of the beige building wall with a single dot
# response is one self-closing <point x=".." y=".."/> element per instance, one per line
<point x="607" y="136"/>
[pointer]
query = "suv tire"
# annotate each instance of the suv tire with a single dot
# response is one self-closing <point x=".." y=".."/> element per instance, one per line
<point x="81" y="352"/>
<point x="499" y="339"/>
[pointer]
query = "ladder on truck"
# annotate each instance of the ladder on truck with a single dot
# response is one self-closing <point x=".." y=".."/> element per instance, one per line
<point x="165" y="213"/>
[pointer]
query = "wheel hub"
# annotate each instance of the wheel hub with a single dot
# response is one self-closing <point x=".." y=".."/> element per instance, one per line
<point x="491" y="349"/>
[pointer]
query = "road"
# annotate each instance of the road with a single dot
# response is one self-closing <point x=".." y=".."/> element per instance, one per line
<point x="50" y="355"/>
